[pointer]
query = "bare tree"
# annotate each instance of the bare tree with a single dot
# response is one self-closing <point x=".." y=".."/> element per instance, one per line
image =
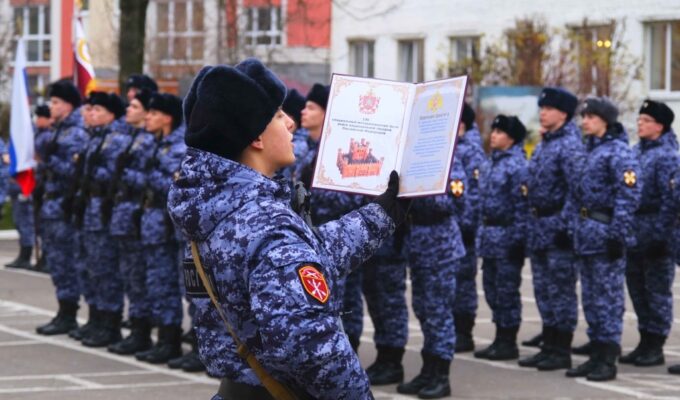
<point x="131" y="43"/>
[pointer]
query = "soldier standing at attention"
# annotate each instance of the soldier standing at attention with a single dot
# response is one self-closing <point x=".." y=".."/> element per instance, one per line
<point x="607" y="194"/>
<point x="650" y="266"/>
<point x="502" y="235"/>
<point x="552" y="174"/>
<point x="137" y="82"/>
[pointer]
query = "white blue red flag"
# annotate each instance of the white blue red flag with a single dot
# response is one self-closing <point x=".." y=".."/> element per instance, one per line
<point x="21" y="148"/>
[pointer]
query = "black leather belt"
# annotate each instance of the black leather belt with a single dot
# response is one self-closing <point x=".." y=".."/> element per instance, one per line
<point x="539" y="212"/>
<point x="230" y="390"/>
<point x="604" y="216"/>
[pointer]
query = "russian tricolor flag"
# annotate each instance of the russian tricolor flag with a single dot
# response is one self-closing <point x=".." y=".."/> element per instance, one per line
<point x="21" y="148"/>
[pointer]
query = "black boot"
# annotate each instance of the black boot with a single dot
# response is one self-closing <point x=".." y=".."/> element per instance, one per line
<point x="439" y="385"/>
<point x="535" y="341"/>
<point x="189" y="362"/>
<point x="595" y="356"/>
<point x="93" y="323"/>
<point x="559" y="356"/>
<point x="169" y="346"/>
<point x="653" y="354"/>
<point x="605" y="368"/>
<point x="387" y="368"/>
<point x="639" y="349"/>
<point x="674" y="369"/>
<point x="546" y="340"/>
<point x="138" y="340"/>
<point x="41" y="265"/>
<point x="582" y="350"/>
<point x="464" y="340"/>
<point x="63" y="322"/>
<point x="189" y="337"/>
<point x="354" y="342"/>
<point x="108" y="331"/>
<point x="23" y="260"/>
<point x="506" y="347"/>
<point x="427" y="374"/>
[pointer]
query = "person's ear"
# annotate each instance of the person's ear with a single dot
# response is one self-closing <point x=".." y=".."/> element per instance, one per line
<point x="257" y="143"/>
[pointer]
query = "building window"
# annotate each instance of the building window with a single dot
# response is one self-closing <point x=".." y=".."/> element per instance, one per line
<point x="263" y="26"/>
<point x="180" y="31"/>
<point x="464" y="55"/>
<point x="663" y="43"/>
<point x="32" y="24"/>
<point x="411" y="60"/>
<point x="361" y="58"/>
<point x="594" y="46"/>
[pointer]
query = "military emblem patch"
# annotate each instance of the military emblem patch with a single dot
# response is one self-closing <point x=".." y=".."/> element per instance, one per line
<point x="457" y="187"/>
<point x="629" y="178"/>
<point x="314" y="283"/>
<point x="525" y="190"/>
<point x="475" y="173"/>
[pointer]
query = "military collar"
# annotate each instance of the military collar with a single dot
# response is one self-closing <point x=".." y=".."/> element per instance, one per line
<point x="646" y="144"/>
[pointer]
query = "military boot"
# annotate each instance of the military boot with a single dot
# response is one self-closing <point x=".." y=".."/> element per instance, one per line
<point x="23" y="260"/>
<point x="387" y="368"/>
<point x="108" y="332"/>
<point x="674" y="369"/>
<point x="138" y="340"/>
<point x="464" y="340"/>
<point x="639" y="349"/>
<point x="189" y="362"/>
<point x="535" y="341"/>
<point x="423" y="379"/>
<point x="559" y="356"/>
<point x="63" y="322"/>
<point x="354" y="342"/>
<point x="93" y="323"/>
<point x="582" y="350"/>
<point x="169" y="346"/>
<point x="653" y="354"/>
<point x="439" y="385"/>
<point x="506" y="347"/>
<point x="595" y="356"/>
<point x="605" y="368"/>
<point x="546" y="343"/>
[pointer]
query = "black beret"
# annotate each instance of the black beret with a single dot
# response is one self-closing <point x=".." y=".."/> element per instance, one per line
<point x="110" y="101"/>
<point x="227" y="108"/>
<point x="144" y="97"/>
<point x="510" y="125"/>
<point x="468" y="117"/>
<point x="65" y="90"/>
<point x="319" y="94"/>
<point x="659" y="111"/>
<point x="42" y="111"/>
<point x="141" y="81"/>
<point x="558" y="98"/>
<point x="603" y="107"/>
<point x="167" y="104"/>
<point x="293" y="105"/>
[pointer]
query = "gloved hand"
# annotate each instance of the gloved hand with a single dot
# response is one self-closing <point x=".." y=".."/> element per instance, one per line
<point x="516" y="253"/>
<point x="395" y="208"/>
<point x="614" y="249"/>
<point x="657" y="249"/>
<point x="563" y="241"/>
<point x="468" y="238"/>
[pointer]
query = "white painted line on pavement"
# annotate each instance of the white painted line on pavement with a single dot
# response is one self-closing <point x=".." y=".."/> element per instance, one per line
<point x="9" y="234"/>
<point x="103" y="387"/>
<point x="79" y="374"/>
<point x="10" y="343"/>
<point x="624" y="390"/>
<point x="82" y="382"/>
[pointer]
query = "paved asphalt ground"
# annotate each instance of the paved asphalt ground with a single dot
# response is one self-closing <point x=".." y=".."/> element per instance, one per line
<point x="37" y="367"/>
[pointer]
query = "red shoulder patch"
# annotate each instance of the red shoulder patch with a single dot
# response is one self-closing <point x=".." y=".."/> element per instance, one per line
<point x="314" y="283"/>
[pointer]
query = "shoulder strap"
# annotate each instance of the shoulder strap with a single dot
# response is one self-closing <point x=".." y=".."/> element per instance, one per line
<point x="275" y="388"/>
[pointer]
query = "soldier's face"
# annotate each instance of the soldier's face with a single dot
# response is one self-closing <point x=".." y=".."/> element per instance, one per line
<point x="131" y="93"/>
<point x="648" y="128"/>
<point x="551" y="118"/>
<point x="86" y="112"/>
<point x="135" y="113"/>
<point x="500" y="140"/>
<point x="276" y="142"/>
<point x="312" y="119"/>
<point x="593" y="125"/>
<point x="59" y="109"/>
<point x="42" y="122"/>
<point x="100" y="116"/>
<point x="156" y="121"/>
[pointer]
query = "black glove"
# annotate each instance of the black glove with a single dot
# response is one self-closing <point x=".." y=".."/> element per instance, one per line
<point x="563" y="241"/>
<point x="614" y="249"/>
<point x="468" y="238"/>
<point x="122" y="161"/>
<point x="516" y="253"/>
<point x="657" y="249"/>
<point x="394" y="207"/>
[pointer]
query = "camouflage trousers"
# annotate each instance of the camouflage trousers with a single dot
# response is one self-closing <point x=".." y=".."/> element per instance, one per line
<point x="162" y="282"/>
<point x="384" y="287"/>
<point x="82" y="270"/>
<point x="501" y="278"/>
<point x="22" y="214"/>
<point x="466" y="284"/>
<point x="58" y="246"/>
<point x="554" y="277"/>
<point x="650" y="284"/>
<point x="105" y="277"/>
<point x="352" y="305"/>
<point x="133" y="271"/>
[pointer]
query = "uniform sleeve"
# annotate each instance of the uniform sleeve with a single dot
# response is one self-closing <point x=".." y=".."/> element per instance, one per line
<point x="572" y="159"/>
<point x="163" y="176"/>
<point x="75" y="143"/>
<point x="354" y="238"/>
<point x="301" y="338"/>
<point x="474" y="169"/>
<point x="627" y="195"/>
<point x="665" y="169"/>
<point x="520" y="207"/>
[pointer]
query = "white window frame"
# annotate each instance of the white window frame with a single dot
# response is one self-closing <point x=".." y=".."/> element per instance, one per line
<point x="189" y="34"/>
<point x="41" y="37"/>
<point x="668" y="53"/>
<point x="470" y="41"/>
<point x="274" y="32"/>
<point x="367" y="48"/>
<point x="417" y="64"/>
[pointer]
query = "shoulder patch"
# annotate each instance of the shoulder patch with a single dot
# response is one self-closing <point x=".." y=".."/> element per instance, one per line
<point x="314" y="283"/>
<point x="457" y="187"/>
<point x="525" y="190"/>
<point x="630" y="178"/>
<point x="475" y="173"/>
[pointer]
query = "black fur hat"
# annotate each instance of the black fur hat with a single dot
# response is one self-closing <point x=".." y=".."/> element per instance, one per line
<point x="229" y="107"/>
<point x="468" y="117"/>
<point x="65" y="90"/>
<point x="144" y="97"/>
<point x="659" y="111"/>
<point x="603" y="107"/>
<point x="167" y="104"/>
<point x="510" y="125"/>
<point x="319" y="94"/>
<point x="560" y="99"/>
<point x="42" y="111"/>
<point x="141" y="81"/>
<point x="110" y="101"/>
<point x="293" y="105"/>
